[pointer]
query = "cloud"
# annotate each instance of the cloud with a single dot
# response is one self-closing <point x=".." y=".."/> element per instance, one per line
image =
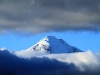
<point x="45" y="66"/>
<point x="77" y="58"/>
<point x="36" y="16"/>
<point x="85" y="63"/>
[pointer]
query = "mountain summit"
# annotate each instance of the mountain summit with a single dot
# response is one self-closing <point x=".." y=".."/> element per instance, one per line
<point x="51" y="44"/>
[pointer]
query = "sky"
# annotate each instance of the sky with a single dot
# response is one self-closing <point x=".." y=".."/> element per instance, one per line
<point x="82" y="40"/>
<point x="24" y="22"/>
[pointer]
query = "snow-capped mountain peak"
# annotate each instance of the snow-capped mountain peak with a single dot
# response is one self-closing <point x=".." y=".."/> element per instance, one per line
<point x="51" y="44"/>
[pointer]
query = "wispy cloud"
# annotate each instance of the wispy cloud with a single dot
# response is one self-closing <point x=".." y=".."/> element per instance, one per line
<point x="84" y="63"/>
<point x="36" y="16"/>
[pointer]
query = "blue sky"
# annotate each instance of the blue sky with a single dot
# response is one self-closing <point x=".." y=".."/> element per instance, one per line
<point x="24" y="22"/>
<point x="82" y="40"/>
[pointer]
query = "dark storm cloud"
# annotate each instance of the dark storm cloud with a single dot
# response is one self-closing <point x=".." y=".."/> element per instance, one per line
<point x="35" y="16"/>
<point x="71" y="5"/>
<point x="13" y="65"/>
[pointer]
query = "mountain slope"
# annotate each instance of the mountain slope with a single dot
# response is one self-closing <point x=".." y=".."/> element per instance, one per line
<point x="51" y="44"/>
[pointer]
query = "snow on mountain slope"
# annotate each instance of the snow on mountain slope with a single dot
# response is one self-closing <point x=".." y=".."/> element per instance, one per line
<point x="3" y="49"/>
<point x="51" y="44"/>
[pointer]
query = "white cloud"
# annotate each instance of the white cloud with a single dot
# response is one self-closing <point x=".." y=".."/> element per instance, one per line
<point x="87" y="58"/>
<point x="3" y="48"/>
<point x="82" y="63"/>
<point x="28" y="54"/>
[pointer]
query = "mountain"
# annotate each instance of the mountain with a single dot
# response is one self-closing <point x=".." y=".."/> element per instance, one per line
<point x="51" y="44"/>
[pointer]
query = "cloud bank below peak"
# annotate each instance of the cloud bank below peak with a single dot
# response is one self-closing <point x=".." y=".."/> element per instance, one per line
<point x="36" y="16"/>
<point x="29" y="63"/>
